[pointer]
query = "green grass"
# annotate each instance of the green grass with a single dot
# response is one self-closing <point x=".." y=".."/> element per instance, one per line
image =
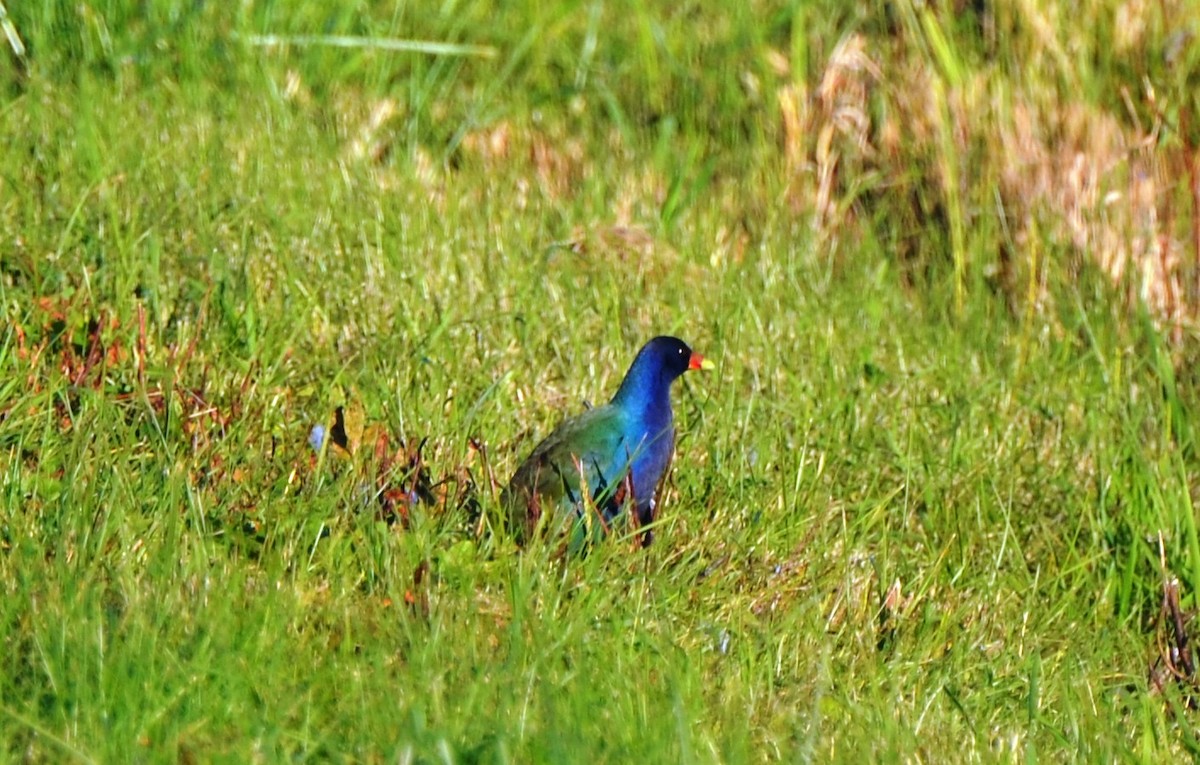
<point x="922" y="511"/>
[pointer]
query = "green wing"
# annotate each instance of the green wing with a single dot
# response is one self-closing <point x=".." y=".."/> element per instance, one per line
<point x="550" y="478"/>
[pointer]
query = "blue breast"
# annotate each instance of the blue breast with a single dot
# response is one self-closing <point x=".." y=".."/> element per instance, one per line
<point x="649" y="434"/>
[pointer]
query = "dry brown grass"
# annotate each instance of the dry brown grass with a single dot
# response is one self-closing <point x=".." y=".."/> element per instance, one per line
<point x="1115" y="185"/>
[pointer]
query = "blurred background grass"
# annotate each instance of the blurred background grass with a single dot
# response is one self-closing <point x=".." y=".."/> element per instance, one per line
<point x="927" y="508"/>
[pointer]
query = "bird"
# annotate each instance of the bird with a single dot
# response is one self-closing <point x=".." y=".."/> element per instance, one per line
<point x="607" y="459"/>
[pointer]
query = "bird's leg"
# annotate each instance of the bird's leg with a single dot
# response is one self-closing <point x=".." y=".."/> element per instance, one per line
<point x="626" y="499"/>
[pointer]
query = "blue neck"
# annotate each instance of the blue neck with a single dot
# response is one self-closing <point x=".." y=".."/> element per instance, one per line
<point x="646" y="391"/>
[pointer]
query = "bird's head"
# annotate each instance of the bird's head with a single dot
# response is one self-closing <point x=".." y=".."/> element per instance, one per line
<point x="673" y="356"/>
<point x="656" y="366"/>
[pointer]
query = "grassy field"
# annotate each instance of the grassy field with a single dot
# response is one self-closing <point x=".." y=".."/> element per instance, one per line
<point x="927" y="507"/>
